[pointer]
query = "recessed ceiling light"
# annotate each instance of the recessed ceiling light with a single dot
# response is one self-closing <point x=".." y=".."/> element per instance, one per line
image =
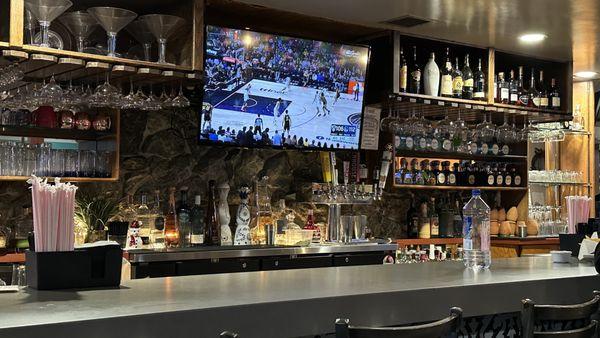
<point x="532" y="37"/>
<point x="586" y="74"/>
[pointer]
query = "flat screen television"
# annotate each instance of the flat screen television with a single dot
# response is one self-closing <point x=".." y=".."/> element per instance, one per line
<point x="266" y="90"/>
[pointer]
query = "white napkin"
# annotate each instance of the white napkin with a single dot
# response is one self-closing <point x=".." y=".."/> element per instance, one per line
<point x="587" y="247"/>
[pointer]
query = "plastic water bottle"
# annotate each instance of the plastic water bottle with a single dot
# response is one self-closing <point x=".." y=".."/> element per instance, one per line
<point x="476" y="233"/>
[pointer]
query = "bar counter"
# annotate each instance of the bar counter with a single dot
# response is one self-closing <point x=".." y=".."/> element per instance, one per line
<point x="292" y="302"/>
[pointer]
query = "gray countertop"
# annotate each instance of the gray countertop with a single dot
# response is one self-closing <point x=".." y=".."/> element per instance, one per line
<point x="292" y="302"/>
<point x="146" y="256"/>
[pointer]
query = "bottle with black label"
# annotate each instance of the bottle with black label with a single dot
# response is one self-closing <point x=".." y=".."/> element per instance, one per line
<point x="534" y="94"/>
<point x="403" y="72"/>
<point x="428" y="176"/>
<point x="446" y="218"/>
<point x="412" y="220"/>
<point x="522" y="92"/>
<point x="457" y="81"/>
<point x="458" y="220"/>
<point x="499" y="175"/>
<point x="479" y="83"/>
<point x="467" y="90"/>
<point x="543" y="91"/>
<point x="408" y="175"/>
<point x="513" y="86"/>
<point x="446" y="83"/>
<point x="424" y="222"/>
<point x="490" y="177"/>
<point x="434" y="219"/>
<point x="418" y="172"/>
<point x="449" y="173"/>
<point x="415" y="74"/>
<point x="554" y="96"/>
<point x="508" y="176"/>
<point x="471" y="174"/>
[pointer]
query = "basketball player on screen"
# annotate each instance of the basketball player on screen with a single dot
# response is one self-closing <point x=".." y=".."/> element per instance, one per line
<point x="356" y="91"/>
<point x="287" y="122"/>
<point x="337" y="96"/>
<point x="207" y="118"/>
<point x="246" y="97"/>
<point x="324" y="103"/>
<point x="287" y="85"/>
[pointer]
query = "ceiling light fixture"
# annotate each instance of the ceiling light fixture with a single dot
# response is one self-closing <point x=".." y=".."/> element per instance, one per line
<point x="532" y="37"/>
<point x="586" y="74"/>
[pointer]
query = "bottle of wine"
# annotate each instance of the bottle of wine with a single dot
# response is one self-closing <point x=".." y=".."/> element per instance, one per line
<point x="171" y="228"/>
<point x="412" y="220"/>
<point x="543" y="91"/>
<point x="446" y="86"/>
<point x="534" y="95"/>
<point x="457" y="81"/>
<point x="197" y="223"/>
<point x="183" y="219"/>
<point x="467" y="74"/>
<point x="434" y="219"/>
<point x="212" y="228"/>
<point x="403" y="72"/>
<point x="431" y="77"/>
<point x="479" y="83"/>
<point x="513" y="89"/>
<point x="521" y="91"/>
<point x="415" y="74"/>
<point x="424" y="222"/>
<point x="554" y="96"/>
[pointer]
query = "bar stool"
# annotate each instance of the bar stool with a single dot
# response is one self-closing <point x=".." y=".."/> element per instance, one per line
<point x="440" y="328"/>
<point x="563" y="314"/>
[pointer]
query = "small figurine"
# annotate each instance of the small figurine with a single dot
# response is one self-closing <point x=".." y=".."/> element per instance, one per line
<point x="135" y="241"/>
<point x="242" y="219"/>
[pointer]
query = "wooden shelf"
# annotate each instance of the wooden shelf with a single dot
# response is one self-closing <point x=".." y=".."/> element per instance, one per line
<point x="436" y="107"/>
<point x="455" y="187"/>
<point x="426" y="241"/>
<point x="512" y="241"/>
<point x="57" y="133"/>
<point x="12" y="258"/>
<point x="4" y="44"/>
<point x="458" y="156"/>
<point x="63" y="179"/>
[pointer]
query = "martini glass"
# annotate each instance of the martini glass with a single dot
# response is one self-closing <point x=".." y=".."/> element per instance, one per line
<point x="81" y="24"/>
<point x="140" y="31"/>
<point x="180" y="101"/>
<point x="45" y="11"/>
<point x="162" y="27"/>
<point x="112" y="19"/>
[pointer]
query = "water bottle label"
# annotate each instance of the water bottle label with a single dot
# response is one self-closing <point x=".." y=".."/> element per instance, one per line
<point x="468" y="223"/>
<point x="484" y="232"/>
<point x="467" y="244"/>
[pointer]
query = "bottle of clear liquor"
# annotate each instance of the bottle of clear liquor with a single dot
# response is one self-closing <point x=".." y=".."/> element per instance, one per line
<point x="183" y="219"/>
<point x="171" y="228"/>
<point x="157" y="231"/>
<point x="534" y="94"/>
<point x="212" y="228"/>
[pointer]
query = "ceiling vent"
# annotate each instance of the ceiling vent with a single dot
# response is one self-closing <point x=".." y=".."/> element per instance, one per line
<point x="407" y="21"/>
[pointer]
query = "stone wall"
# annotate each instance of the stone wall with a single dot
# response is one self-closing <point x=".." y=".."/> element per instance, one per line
<point x="159" y="150"/>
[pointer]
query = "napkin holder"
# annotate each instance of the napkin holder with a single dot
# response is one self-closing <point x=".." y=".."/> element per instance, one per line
<point x="91" y="267"/>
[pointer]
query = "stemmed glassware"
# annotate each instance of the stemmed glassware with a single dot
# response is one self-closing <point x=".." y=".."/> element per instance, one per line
<point x="45" y="11"/>
<point x="162" y="27"/>
<point x="81" y="24"/>
<point x="140" y="31"/>
<point x="112" y="19"/>
<point x="461" y="135"/>
<point x="180" y="101"/>
<point x="11" y="74"/>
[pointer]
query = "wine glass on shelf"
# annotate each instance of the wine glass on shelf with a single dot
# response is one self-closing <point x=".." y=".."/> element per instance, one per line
<point x="505" y="133"/>
<point x="106" y="95"/>
<point x="152" y="102"/>
<point x="112" y="19"/>
<point x="140" y="31"/>
<point x="81" y="24"/>
<point x="45" y="11"/>
<point x="162" y="27"/>
<point x="180" y="101"/>
<point x="50" y="94"/>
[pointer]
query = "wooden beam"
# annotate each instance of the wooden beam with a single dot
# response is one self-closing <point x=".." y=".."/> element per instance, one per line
<point x="490" y="74"/>
<point x="198" y="36"/>
<point x="17" y="13"/>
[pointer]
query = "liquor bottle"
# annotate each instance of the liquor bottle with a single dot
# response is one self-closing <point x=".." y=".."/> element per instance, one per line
<point x="508" y="178"/>
<point x="171" y="227"/>
<point x="446" y="86"/>
<point x="412" y="220"/>
<point x="157" y="232"/>
<point x="427" y="174"/>
<point x="516" y="177"/>
<point x="421" y="141"/>
<point x="467" y="74"/>
<point x="513" y="89"/>
<point x="543" y="91"/>
<point x="310" y="225"/>
<point x="453" y="174"/>
<point x="403" y="72"/>
<point x="183" y="219"/>
<point x="197" y="223"/>
<point x="490" y="177"/>
<point x="534" y="94"/>
<point x="439" y="175"/>
<point x="436" y="141"/>
<point x="471" y="175"/>
<point x="415" y="74"/>
<point x="419" y="173"/>
<point x="479" y="83"/>
<point x="496" y="83"/>
<point x="446" y="218"/>
<point x="408" y="177"/>
<point x="402" y="171"/>
<point x="243" y="219"/>
<point x="521" y="91"/>
<point x="431" y="77"/>
<point x="434" y="219"/>
<point x="458" y="221"/>
<point x="457" y="81"/>
<point x="499" y="175"/>
<point x="144" y="217"/>
<point x="212" y="228"/>
<point x="554" y="96"/>
<point x="424" y="222"/>
<point x="503" y="89"/>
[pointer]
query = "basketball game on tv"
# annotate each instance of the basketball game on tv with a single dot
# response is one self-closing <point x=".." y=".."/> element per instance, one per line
<point x="265" y="90"/>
